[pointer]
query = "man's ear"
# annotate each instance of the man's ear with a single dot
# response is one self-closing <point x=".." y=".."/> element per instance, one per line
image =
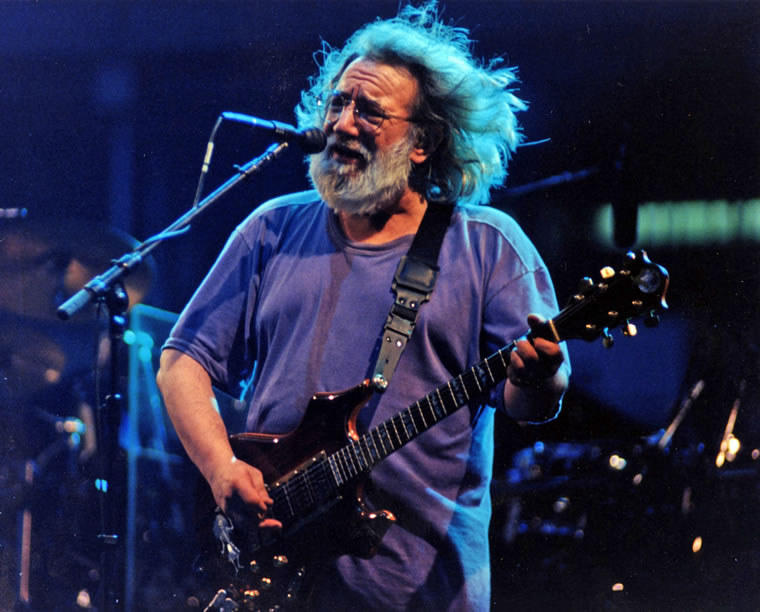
<point x="427" y="141"/>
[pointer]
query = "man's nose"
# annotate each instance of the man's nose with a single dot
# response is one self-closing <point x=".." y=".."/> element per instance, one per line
<point x="346" y="121"/>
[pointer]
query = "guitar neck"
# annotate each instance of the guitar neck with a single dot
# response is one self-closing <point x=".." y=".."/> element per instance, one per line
<point x="363" y="454"/>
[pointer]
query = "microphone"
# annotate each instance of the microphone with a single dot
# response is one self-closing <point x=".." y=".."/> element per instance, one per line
<point x="311" y="140"/>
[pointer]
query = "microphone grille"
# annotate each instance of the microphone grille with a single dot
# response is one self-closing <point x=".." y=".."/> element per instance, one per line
<point x="313" y="140"/>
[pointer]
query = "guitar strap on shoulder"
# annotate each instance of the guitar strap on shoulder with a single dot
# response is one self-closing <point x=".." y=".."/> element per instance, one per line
<point x="413" y="284"/>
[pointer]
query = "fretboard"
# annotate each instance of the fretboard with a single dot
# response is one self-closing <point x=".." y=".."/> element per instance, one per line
<point x="363" y="454"/>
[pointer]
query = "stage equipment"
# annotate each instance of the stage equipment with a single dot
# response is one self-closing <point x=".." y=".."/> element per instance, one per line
<point x="312" y="140"/>
<point x="44" y="261"/>
<point x="109" y="289"/>
<point x="46" y="410"/>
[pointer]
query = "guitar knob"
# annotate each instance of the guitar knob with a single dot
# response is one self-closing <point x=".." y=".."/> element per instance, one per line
<point x="586" y="283"/>
<point x="254" y="568"/>
<point x="280" y="560"/>
<point x="607" y="272"/>
<point x="629" y="329"/>
<point x="266" y="583"/>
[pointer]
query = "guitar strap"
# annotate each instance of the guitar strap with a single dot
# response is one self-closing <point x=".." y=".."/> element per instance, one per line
<point x="413" y="284"/>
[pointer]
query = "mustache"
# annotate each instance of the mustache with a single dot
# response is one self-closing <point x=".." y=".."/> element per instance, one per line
<point x="350" y="146"/>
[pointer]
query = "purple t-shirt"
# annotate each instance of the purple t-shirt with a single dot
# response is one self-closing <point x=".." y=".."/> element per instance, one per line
<point x="292" y="294"/>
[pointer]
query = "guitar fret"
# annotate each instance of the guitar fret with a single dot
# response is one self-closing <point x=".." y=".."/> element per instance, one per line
<point x="378" y="454"/>
<point x="405" y="425"/>
<point x="411" y="422"/>
<point x="405" y="422"/>
<point x="438" y="414"/>
<point x="422" y="414"/>
<point x="359" y="454"/>
<point x="335" y="472"/>
<point x="339" y="468"/>
<point x="419" y="422"/>
<point x="398" y="437"/>
<point x="401" y="426"/>
<point x="380" y="437"/>
<point x="493" y="380"/>
<point x="356" y="449"/>
<point x="397" y="441"/>
<point x="372" y="457"/>
<point x="440" y="401"/>
<point x="475" y="375"/>
<point x="463" y="387"/>
<point x="432" y="409"/>
<point x="388" y="436"/>
<point x="365" y="451"/>
<point x="359" y="451"/>
<point x="353" y="471"/>
<point x="451" y="390"/>
<point x="503" y="363"/>
<point x="344" y="466"/>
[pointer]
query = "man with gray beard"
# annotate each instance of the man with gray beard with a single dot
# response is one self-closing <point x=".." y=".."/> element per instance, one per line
<point x="384" y="177"/>
<point x="303" y="290"/>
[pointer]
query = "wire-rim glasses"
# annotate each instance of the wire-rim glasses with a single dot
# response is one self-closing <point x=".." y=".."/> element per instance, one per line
<point x="369" y="115"/>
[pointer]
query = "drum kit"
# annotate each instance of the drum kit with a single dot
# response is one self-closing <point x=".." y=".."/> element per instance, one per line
<point x="50" y="378"/>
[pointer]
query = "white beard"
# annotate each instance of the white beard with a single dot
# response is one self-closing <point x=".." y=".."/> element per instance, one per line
<point x="363" y="191"/>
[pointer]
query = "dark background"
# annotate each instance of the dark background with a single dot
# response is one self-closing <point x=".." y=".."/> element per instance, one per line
<point x="105" y="111"/>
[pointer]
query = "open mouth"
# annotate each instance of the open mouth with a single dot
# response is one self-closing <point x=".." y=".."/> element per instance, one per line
<point x="346" y="154"/>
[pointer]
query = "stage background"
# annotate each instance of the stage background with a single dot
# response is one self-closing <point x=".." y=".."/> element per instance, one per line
<point x="648" y="117"/>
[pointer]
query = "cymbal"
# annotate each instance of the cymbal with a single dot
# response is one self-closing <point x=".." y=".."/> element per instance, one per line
<point x="30" y="362"/>
<point x="44" y="263"/>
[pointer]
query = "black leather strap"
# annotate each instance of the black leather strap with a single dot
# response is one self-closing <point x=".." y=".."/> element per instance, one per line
<point x="413" y="285"/>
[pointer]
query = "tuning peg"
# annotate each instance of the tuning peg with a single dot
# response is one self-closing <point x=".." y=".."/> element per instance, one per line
<point x="652" y="319"/>
<point x="607" y="339"/>
<point x="629" y="329"/>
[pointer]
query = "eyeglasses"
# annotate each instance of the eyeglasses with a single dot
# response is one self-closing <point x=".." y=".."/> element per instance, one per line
<point x="367" y="114"/>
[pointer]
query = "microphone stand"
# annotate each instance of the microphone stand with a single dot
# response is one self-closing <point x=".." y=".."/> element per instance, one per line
<point x="108" y="288"/>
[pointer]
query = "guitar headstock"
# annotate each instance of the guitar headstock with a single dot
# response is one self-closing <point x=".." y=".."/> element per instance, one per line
<point x="619" y="296"/>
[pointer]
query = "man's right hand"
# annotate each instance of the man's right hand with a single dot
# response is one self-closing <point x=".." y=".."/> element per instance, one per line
<point x="239" y="490"/>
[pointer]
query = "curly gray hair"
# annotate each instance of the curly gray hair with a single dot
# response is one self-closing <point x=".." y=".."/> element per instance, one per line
<point x="465" y="111"/>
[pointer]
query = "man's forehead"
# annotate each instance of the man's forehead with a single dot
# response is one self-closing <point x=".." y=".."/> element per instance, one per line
<point x="377" y="79"/>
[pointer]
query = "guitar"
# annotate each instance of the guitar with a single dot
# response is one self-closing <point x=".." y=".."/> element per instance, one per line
<point x="314" y="474"/>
